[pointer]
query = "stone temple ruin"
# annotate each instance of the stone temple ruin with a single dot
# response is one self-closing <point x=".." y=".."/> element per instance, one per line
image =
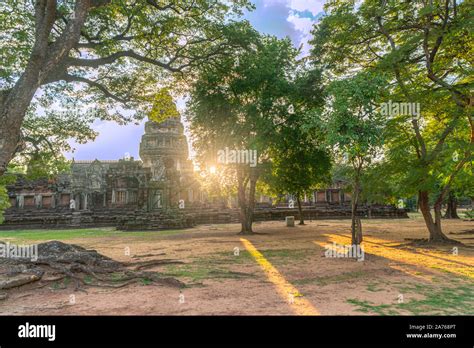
<point x="159" y="191"/>
<point x="102" y="192"/>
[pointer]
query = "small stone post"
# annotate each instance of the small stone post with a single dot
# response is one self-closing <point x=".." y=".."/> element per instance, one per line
<point x="290" y="221"/>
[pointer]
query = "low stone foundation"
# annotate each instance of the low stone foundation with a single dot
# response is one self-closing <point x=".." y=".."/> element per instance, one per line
<point x="129" y="219"/>
<point x="211" y="216"/>
<point x="125" y="219"/>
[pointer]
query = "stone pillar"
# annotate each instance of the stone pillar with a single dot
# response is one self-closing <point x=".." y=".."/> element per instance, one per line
<point x="38" y="201"/>
<point x="113" y="196"/>
<point x="85" y="201"/>
<point x="21" y="201"/>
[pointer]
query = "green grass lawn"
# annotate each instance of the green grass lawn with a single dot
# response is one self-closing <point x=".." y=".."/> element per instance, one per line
<point x="38" y="236"/>
<point x="212" y="266"/>
<point x="454" y="299"/>
<point x="463" y="214"/>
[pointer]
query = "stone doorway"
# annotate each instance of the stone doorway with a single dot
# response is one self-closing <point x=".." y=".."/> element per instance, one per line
<point x="155" y="200"/>
<point x="98" y="199"/>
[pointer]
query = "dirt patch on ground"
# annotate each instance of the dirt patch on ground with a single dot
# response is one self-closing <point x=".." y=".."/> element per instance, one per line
<point x="222" y="277"/>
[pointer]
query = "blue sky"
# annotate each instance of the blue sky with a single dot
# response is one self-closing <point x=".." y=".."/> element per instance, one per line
<point x="282" y="18"/>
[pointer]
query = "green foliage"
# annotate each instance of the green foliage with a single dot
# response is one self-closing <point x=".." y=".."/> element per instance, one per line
<point x="4" y="200"/>
<point x="299" y="171"/>
<point x="352" y="124"/>
<point x="242" y="101"/>
<point x="46" y="137"/>
<point x="250" y="101"/>
<point x="412" y="171"/>
<point x="163" y="107"/>
<point x="424" y="52"/>
<point x="353" y="127"/>
<point x="299" y="162"/>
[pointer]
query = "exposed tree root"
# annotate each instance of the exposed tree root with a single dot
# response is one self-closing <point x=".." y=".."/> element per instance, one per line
<point x="439" y="242"/>
<point x="246" y="233"/>
<point x="251" y="233"/>
<point x="463" y="232"/>
<point x="58" y="261"/>
<point x="147" y="255"/>
<point x="152" y="263"/>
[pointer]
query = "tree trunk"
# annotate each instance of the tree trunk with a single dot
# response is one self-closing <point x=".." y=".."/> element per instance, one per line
<point x="356" y="225"/>
<point x="434" y="226"/>
<point x="451" y="207"/>
<point x="46" y="59"/>
<point x="246" y="202"/>
<point x="300" y="209"/>
<point x="13" y="106"/>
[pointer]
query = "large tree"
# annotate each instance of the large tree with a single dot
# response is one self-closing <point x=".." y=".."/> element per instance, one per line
<point x="108" y="54"/>
<point x="425" y="50"/>
<point x="300" y="162"/>
<point x="441" y="175"/>
<point x="297" y="169"/>
<point x="242" y="103"/>
<point x="354" y="129"/>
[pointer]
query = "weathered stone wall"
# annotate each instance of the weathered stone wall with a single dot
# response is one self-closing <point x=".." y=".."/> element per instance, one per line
<point x="121" y="218"/>
<point x="216" y="216"/>
<point x="133" y="219"/>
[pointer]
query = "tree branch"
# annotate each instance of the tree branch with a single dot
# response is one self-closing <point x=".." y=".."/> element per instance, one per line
<point x="102" y="88"/>
<point x="95" y="63"/>
<point x="59" y="50"/>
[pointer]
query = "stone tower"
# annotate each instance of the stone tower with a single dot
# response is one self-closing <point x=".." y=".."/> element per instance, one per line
<point x="164" y="150"/>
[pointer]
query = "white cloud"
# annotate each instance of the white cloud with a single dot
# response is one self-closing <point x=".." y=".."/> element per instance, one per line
<point x="303" y="25"/>
<point x="313" y="6"/>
